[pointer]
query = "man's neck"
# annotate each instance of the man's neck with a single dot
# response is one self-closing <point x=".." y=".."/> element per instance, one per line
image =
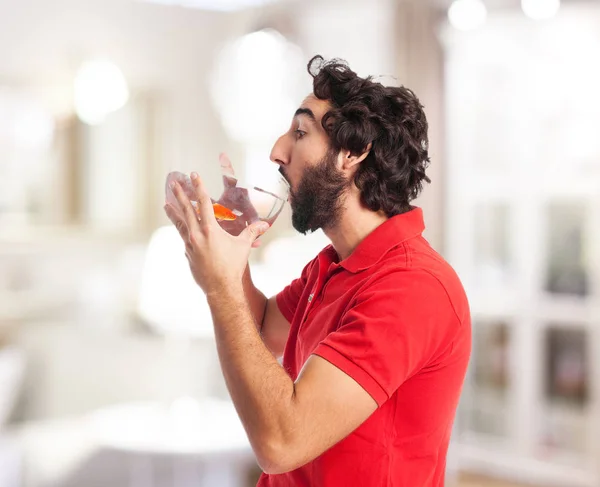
<point x="355" y="224"/>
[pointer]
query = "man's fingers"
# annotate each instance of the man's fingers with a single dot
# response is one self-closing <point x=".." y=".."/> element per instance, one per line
<point x="189" y="214"/>
<point x="177" y="220"/>
<point x="205" y="206"/>
<point x="254" y="231"/>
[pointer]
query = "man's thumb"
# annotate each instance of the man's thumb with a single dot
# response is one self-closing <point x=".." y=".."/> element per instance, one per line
<point x="256" y="230"/>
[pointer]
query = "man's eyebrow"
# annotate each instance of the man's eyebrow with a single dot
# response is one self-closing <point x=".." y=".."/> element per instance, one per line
<point x="306" y="111"/>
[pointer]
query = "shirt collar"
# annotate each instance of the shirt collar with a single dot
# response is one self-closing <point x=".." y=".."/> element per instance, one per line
<point x="380" y="241"/>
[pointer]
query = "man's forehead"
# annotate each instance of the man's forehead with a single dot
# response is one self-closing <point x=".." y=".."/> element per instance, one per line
<point x="318" y="107"/>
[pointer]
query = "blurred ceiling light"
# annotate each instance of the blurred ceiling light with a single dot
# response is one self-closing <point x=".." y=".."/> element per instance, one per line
<point x="467" y="14"/>
<point x="540" y="9"/>
<point x="100" y="89"/>
<point x="215" y="5"/>
<point x="253" y="85"/>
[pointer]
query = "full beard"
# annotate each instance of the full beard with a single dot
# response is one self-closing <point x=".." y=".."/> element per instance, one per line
<point x="319" y="200"/>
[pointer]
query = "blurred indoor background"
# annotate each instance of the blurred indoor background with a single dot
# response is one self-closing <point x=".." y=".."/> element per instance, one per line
<point x="108" y="370"/>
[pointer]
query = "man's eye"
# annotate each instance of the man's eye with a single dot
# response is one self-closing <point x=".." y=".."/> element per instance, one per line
<point x="299" y="133"/>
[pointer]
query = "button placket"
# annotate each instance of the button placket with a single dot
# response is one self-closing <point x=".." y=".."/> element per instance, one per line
<point x="326" y="270"/>
<point x="316" y="297"/>
<point x="314" y="293"/>
<point x="311" y="300"/>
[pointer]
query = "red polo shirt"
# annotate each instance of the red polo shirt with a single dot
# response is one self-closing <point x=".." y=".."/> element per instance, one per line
<point x="395" y="318"/>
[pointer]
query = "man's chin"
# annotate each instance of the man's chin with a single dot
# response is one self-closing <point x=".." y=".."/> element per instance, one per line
<point x="300" y="226"/>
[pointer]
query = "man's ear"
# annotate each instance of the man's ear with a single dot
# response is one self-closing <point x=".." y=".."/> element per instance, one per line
<point x="351" y="160"/>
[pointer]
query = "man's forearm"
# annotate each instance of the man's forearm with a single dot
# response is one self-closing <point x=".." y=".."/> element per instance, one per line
<point x="261" y="390"/>
<point x="257" y="301"/>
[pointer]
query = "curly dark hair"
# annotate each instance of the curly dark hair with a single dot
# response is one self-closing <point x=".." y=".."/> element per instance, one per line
<point x="391" y="118"/>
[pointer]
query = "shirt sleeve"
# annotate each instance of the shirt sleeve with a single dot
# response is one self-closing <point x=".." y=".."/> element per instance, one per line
<point x="393" y="329"/>
<point x="288" y="299"/>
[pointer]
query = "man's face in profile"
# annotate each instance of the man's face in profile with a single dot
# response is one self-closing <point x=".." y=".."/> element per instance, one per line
<point x="311" y="168"/>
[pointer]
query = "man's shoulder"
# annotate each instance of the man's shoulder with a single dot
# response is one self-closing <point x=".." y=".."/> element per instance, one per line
<point x="417" y="257"/>
<point x="418" y="274"/>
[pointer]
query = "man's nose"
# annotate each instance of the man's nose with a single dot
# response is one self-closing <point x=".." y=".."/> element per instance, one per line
<point x="279" y="154"/>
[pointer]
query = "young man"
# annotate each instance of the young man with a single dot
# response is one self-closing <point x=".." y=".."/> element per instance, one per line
<point x="375" y="334"/>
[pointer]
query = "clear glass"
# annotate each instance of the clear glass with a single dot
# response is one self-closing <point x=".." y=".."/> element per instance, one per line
<point x="567" y="368"/>
<point x="567" y="263"/>
<point x="488" y="407"/>
<point x="492" y="245"/>
<point x="237" y="203"/>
